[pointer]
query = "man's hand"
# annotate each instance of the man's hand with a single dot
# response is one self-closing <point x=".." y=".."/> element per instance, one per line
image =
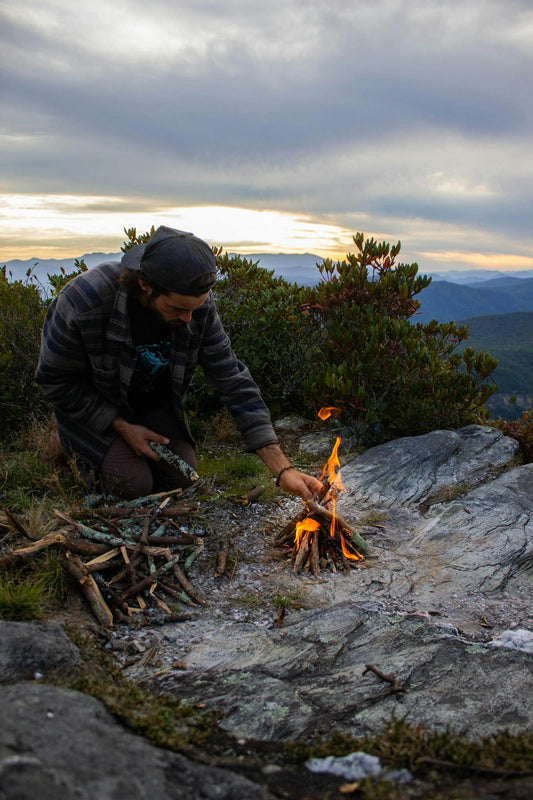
<point x="290" y="479"/>
<point x="300" y="483"/>
<point x="138" y="438"/>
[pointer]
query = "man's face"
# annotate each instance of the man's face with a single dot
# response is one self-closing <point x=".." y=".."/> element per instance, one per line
<point x="173" y="308"/>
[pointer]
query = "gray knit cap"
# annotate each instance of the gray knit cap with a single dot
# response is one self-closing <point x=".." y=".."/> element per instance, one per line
<point x="176" y="260"/>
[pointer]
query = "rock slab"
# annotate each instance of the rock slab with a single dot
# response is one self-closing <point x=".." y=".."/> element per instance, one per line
<point x="56" y="743"/>
<point x="448" y="517"/>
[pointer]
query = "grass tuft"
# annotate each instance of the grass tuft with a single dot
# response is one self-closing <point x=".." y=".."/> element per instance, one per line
<point x="23" y="599"/>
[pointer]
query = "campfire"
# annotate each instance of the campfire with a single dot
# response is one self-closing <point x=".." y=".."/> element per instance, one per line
<point x="318" y="537"/>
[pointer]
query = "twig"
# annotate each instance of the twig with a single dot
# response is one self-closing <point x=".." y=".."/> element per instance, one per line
<point x="222" y="558"/>
<point x="288" y="530"/>
<point x="17" y="523"/>
<point x="194" y="555"/>
<point x="302" y="554"/>
<point x="314" y="564"/>
<point x="249" y="497"/>
<point x="384" y="677"/>
<point x="357" y="540"/>
<point x="88" y="586"/>
<point x="185" y="584"/>
<point x="172" y="458"/>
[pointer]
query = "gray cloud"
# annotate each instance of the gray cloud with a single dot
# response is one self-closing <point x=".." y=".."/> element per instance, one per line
<point x="392" y="109"/>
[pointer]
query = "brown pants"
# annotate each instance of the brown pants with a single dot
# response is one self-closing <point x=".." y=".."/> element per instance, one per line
<point x="126" y="475"/>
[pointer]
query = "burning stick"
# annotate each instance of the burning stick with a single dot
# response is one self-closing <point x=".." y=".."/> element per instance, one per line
<point x="314" y="559"/>
<point x="302" y="553"/>
<point x="357" y="540"/>
<point x="288" y="531"/>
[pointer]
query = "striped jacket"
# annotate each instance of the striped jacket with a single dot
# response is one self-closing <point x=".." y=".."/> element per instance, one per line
<point x="88" y="359"/>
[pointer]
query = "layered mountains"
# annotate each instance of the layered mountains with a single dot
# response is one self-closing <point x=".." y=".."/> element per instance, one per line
<point x="445" y="301"/>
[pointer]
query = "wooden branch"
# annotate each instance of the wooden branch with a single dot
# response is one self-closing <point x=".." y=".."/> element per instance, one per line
<point x="291" y="525"/>
<point x="90" y="533"/>
<point x="388" y="678"/>
<point x="302" y="554"/>
<point x="17" y="523"/>
<point x="357" y="540"/>
<point x="222" y="558"/>
<point x="23" y="553"/>
<point x="185" y="538"/>
<point x="89" y="588"/>
<point x="103" y="558"/>
<point x="172" y="458"/>
<point x="139" y="587"/>
<point x="83" y="548"/>
<point x="151" y="579"/>
<point x="249" y="497"/>
<point x="185" y="584"/>
<point x="314" y="564"/>
<point x="119" y="512"/>
<point x="112" y="597"/>
<point x="181" y="596"/>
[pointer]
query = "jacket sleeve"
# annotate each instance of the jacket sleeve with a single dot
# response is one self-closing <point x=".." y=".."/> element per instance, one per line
<point x="65" y="373"/>
<point x="234" y="385"/>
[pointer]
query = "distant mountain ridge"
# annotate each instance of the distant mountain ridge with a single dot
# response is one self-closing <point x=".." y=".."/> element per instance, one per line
<point x="445" y="301"/>
<point x="489" y="292"/>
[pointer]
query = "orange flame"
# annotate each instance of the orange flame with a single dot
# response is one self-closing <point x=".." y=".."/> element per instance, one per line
<point x="347" y="554"/>
<point x="307" y="524"/>
<point x="332" y="469"/>
<point x="327" y="411"/>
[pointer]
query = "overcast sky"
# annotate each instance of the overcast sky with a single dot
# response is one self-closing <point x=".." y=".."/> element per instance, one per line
<point x="405" y="119"/>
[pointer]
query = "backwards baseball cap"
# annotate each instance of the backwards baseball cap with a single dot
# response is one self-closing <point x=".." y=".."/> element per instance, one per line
<point x="176" y="260"/>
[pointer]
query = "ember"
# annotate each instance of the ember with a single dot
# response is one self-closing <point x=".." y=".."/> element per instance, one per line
<point x="318" y="537"/>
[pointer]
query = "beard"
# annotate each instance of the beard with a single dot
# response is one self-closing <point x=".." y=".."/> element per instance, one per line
<point x="149" y="304"/>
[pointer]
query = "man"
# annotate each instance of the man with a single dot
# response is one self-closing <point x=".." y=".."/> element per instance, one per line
<point x="120" y="343"/>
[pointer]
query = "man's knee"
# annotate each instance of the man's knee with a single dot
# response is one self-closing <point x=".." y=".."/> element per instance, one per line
<point x="123" y="474"/>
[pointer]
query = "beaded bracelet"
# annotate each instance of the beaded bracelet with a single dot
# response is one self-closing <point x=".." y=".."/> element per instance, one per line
<point x="280" y="473"/>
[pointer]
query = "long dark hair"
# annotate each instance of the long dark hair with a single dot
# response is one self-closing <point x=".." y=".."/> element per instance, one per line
<point x="129" y="280"/>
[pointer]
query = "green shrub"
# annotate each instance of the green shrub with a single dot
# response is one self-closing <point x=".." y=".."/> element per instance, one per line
<point x="21" y="318"/>
<point x="386" y="373"/>
<point x="262" y="315"/>
<point x="63" y="277"/>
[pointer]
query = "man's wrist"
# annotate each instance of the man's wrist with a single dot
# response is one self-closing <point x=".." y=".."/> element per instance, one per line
<point x="282" y="471"/>
<point x="273" y="457"/>
<point x="119" y="425"/>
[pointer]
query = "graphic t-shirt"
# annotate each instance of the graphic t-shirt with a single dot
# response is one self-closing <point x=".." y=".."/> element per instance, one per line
<point x="150" y="384"/>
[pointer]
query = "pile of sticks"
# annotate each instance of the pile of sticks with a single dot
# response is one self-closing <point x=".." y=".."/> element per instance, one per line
<point x="316" y="548"/>
<point x="131" y="559"/>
